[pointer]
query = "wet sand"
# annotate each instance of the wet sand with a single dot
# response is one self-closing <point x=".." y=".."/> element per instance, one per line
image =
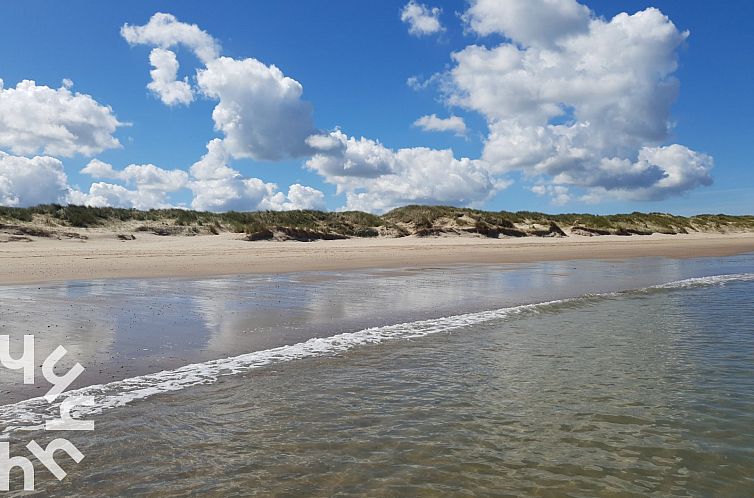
<point x="103" y="256"/>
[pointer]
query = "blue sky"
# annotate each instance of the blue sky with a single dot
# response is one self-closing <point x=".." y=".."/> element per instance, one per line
<point x="353" y="60"/>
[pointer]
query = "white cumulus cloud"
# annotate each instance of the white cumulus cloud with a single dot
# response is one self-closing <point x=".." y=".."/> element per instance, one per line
<point x="678" y="169"/>
<point x="31" y="181"/>
<point x="218" y="187"/>
<point x="215" y="185"/>
<point x="147" y="176"/>
<point x="298" y="197"/>
<point x="421" y="19"/>
<point x="165" y="83"/>
<point x="341" y="158"/>
<point x="260" y="110"/>
<point x="376" y="178"/>
<point x="577" y="100"/>
<point x="559" y="194"/>
<point x="529" y="22"/>
<point x="431" y="122"/>
<point x="151" y="185"/>
<point x="165" y="31"/>
<point x="102" y="194"/>
<point x="54" y="121"/>
<point x="303" y="197"/>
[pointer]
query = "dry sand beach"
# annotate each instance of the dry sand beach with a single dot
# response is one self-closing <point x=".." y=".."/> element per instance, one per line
<point x="149" y="255"/>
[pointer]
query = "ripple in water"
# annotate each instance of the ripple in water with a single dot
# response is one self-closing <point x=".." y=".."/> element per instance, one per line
<point x="645" y="393"/>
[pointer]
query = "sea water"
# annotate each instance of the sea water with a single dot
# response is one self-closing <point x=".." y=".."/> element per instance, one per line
<point x="643" y="391"/>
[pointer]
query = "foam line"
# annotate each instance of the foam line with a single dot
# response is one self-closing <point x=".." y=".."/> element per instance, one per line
<point x="706" y="281"/>
<point x="31" y="414"/>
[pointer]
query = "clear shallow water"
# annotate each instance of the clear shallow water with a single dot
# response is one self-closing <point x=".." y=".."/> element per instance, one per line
<point x="119" y="329"/>
<point x="640" y="393"/>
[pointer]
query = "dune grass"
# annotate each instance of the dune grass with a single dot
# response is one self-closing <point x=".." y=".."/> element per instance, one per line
<point x="414" y="219"/>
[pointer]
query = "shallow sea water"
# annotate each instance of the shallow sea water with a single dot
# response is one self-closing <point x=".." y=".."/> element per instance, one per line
<point x="648" y="392"/>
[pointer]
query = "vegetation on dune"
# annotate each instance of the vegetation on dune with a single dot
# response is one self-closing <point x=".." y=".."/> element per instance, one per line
<point x="534" y="223"/>
<point x="315" y="225"/>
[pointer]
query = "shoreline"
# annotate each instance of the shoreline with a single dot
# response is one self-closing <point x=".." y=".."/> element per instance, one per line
<point x="153" y="256"/>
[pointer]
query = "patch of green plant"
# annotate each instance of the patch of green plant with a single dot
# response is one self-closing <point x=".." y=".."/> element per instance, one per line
<point x="400" y="222"/>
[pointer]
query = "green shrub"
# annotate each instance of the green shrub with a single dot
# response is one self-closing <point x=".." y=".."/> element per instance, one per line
<point x="19" y="214"/>
<point x="80" y="216"/>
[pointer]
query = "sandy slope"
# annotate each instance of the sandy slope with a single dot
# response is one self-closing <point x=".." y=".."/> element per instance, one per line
<point x="103" y="256"/>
